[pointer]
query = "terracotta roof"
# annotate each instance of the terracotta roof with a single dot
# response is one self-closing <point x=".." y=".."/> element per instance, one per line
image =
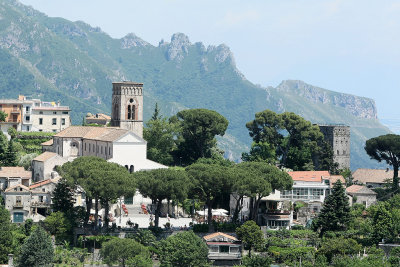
<point x="211" y="236"/>
<point x="309" y="176"/>
<point x="45" y="156"/>
<point x="15" y="186"/>
<point x="372" y="176"/>
<point x="44" y="182"/>
<point x="359" y="189"/>
<point x="47" y="143"/>
<point x="14" y="172"/>
<point x="94" y="133"/>
<point x="334" y="178"/>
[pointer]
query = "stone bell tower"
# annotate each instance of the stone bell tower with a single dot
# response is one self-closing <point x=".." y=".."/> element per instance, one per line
<point x="127" y="106"/>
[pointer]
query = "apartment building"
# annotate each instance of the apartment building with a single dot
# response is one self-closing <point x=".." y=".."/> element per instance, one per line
<point x="34" y="115"/>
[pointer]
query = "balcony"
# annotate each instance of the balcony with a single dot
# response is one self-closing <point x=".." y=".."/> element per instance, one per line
<point x="18" y="205"/>
<point x="15" y="110"/>
<point x="12" y="121"/>
<point x="40" y="204"/>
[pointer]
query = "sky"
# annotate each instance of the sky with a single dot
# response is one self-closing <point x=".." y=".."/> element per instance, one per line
<point x="346" y="46"/>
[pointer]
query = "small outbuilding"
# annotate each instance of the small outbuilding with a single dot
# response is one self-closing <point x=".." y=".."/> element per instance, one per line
<point x="223" y="249"/>
<point x="359" y="194"/>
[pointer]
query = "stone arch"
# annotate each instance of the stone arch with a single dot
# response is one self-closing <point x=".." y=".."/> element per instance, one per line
<point x="74" y="150"/>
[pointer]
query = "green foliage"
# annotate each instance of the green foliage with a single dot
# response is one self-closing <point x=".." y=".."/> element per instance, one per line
<point x="208" y="182"/>
<point x="257" y="180"/>
<point x="335" y="214"/>
<point x="11" y="157"/>
<point x="160" y="184"/>
<point x="296" y="150"/>
<point x="12" y="132"/>
<point x="385" y="223"/>
<point x="66" y="256"/>
<point x="183" y="249"/>
<point x="121" y="250"/>
<point x="256" y="261"/>
<point x="3" y="115"/>
<point x="144" y="237"/>
<point x="102" y="180"/>
<point x="386" y="148"/>
<point x="3" y="147"/>
<point x="159" y="134"/>
<point x="283" y="233"/>
<point x="37" y="249"/>
<point x="26" y="161"/>
<point x="250" y="234"/>
<point x="58" y="225"/>
<point x="31" y="141"/>
<point x="6" y="237"/>
<point x="291" y="256"/>
<point x="339" y="246"/>
<point x="196" y="134"/>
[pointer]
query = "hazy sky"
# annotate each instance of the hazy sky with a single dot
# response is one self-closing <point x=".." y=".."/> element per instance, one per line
<point x="345" y="46"/>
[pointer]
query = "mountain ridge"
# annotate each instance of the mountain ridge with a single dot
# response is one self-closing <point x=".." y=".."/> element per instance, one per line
<point x="77" y="62"/>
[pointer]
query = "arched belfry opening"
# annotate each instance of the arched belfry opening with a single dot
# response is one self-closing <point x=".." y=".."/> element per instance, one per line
<point x="127" y="106"/>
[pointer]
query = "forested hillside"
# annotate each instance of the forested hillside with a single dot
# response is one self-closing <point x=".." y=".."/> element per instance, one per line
<point x="56" y="59"/>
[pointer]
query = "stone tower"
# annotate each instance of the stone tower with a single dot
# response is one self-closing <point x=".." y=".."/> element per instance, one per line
<point x="338" y="136"/>
<point x="127" y="106"/>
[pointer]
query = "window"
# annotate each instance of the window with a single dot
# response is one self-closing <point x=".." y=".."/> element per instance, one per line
<point x="85" y="146"/>
<point x="40" y="198"/>
<point x="27" y="128"/>
<point x="40" y="121"/>
<point x="54" y="131"/>
<point x="18" y="200"/>
<point x="131" y="169"/>
<point x="54" y="112"/>
<point x="62" y="121"/>
<point x="223" y="249"/>
<point x="40" y="112"/>
<point x="27" y="118"/>
<point x="65" y="112"/>
<point x="27" y="109"/>
<point x="40" y="130"/>
<point x="128" y="200"/>
<point x="54" y="121"/>
<point x="43" y="189"/>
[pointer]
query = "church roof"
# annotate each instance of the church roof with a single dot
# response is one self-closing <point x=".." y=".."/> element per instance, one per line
<point x="94" y="133"/>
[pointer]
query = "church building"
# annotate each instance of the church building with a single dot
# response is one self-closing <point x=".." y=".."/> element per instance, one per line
<point x="122" y="143"/>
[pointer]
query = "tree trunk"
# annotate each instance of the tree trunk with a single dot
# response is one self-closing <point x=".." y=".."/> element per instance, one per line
<point x="157" y="215"/>
<point x="249" y="251"/>
<point x="251" y="206"/>
<point x="96" y="211"/>
<point x="237" y="209"/>
<point x="256" y="204"/>
<point x="209" y="216"/>
<point x="395" y="175"/>
<point x="106" y="211"/>
<point x="168" y="207"/>
<point x="88" y="208"/>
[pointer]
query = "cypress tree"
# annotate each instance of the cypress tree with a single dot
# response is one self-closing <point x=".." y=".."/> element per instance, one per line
<point x="335" y="214"/>
<point x="37" y="249"/>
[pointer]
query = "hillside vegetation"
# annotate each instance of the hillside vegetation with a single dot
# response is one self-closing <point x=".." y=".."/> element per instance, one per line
<point x="56" y="59"/>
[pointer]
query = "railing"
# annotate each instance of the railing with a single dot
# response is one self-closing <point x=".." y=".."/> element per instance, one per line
<point x="40" y="204"/>
<point x="15" y="110"/>
<point x="18" y="205"/>
<point x="12" y="120"/>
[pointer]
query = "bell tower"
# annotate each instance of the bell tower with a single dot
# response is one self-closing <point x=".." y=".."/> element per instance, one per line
<point x="127" y="106"/>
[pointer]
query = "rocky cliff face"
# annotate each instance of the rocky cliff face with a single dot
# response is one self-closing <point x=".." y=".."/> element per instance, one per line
<point x="361" y="107"/>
